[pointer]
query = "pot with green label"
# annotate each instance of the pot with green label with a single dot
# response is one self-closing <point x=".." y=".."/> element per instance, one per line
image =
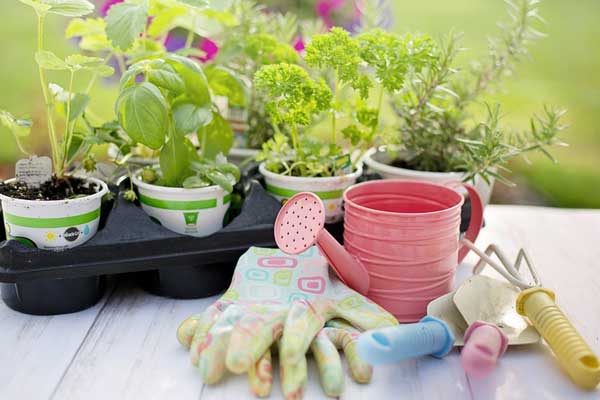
<point x="195" y="212"/>
<point x="53" y="224"/>
<point x="329" y="189"/>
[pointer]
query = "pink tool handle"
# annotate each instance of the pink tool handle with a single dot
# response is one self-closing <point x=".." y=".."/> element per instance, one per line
<point x="476" y="220"/>
<point x="484" y="344"/>
<point x="347" y="267"/>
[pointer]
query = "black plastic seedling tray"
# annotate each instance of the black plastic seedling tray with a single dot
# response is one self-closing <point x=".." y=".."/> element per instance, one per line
<point x="45" y="282"/>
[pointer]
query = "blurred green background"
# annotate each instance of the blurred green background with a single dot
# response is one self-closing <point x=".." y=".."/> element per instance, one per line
<point x="563" y="70"/>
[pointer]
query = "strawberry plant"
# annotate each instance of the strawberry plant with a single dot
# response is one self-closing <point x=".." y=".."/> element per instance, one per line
<point x="67" y="139"/>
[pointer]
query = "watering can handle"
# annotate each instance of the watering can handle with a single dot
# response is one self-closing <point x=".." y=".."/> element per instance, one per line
<point x="571" y="350"/>
<point x="476" y="220"/>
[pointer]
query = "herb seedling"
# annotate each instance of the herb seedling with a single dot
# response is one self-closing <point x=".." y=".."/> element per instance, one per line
<point x="65" y="104"/>
<point x="375" y="60"/>
<point x="161" y="102"/>
<point x="432" y="108"/>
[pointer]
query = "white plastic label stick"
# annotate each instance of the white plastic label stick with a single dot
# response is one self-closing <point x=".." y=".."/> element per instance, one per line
<point x="33" y="171"/>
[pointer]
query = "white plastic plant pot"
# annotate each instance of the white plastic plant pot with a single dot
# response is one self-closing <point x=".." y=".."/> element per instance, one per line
<point x="53" y="224"/>
<point x="194" y="212"/>
<point x="329" y="189"/>
<point x="379" y="162"/>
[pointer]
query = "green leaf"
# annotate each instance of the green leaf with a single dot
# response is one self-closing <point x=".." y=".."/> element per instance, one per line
<point x="163" y="22"/>
<point x="129" y="76"/>
<point x="78" y="61"/>
<point x="92" y="34"/>
<point x="193" y="77"/>
<point x="225" y="82"/>
<point x="142" y="112"/>
<point x="174" y="162"/>
<point x="125" y="22"/>
<point x="226" y="181"/>
<point x="40" y="7"/>
<point x="189" y="117"/>
<point x="217" y="137"/>
<point x="165" y="76"/>
<point x="79" y="102"/>
<point x="194" y="182"/>
<point x="67" y="8"/>
<point x="223" y="17"/>
<point x="78" y="144"/>
<point x="145" y="49"/>
<point x="190" y="52"/>
<point x="70" y="8"/>
<point x="48" y="60"/>
<point x="195" y="3"/>
<point x="231" y="169"/>
<point x="18" y="127"/>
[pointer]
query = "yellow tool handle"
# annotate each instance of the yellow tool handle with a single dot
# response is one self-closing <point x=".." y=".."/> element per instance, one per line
<point x="570" y="348"/>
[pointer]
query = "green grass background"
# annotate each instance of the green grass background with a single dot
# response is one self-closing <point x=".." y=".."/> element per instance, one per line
<point x="564" y="70"/>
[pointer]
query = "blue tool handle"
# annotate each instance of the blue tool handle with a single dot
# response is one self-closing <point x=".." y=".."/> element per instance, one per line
<point x="430" y="336"/>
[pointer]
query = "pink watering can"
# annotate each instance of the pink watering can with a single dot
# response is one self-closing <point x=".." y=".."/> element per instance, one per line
<point x="401" y="239"/>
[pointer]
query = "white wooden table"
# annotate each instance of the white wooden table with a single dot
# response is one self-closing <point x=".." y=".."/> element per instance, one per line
<point x="125" y="347"/>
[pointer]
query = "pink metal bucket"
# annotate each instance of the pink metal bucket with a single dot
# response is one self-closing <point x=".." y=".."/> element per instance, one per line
<point x="406" y="234"/>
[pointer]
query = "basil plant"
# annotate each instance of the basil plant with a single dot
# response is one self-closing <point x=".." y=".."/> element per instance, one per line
<point x="165" y="102"/>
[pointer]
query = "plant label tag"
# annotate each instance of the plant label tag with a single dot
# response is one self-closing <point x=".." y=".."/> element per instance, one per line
<point x="33" y="171"/>
<point x="343" y="165"/>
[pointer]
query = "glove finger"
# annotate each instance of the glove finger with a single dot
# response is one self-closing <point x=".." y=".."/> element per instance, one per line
<point x="293" y="377"/>
<point x="329" y="364"/>
<point x="187" y="329"/>
<point x="304" y="321"/>
<point x="260" y="375"/>
<point x="341" y="324"/>
<point x="252" y="337"/>
<point x="211" y="364"/>
<point x="201" y="326"/>
<point x="360" y="371"/>
<point x="362" y="313"/>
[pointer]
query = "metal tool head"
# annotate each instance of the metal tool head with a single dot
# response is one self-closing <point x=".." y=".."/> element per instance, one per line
<point x="444" y="308"/>
<point x="299" y="223"/>
<point x="487" y="299"/>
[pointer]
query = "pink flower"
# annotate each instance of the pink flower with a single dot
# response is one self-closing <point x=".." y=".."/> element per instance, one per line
<point x="107" y="5"/>
<point x="209" y="48"/>
<point x="299" y="45"/>
<point x="324" y="8"/>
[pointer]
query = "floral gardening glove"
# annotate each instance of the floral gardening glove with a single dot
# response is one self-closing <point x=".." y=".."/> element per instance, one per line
<point x="286" y="300"/>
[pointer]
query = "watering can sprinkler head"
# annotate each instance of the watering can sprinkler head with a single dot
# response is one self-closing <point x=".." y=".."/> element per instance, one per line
<point x="301" y="223"/>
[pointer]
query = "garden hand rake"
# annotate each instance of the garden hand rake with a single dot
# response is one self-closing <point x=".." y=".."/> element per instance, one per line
<point x="538" y="305"/>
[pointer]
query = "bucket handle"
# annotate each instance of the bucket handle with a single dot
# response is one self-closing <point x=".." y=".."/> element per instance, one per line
<point x="476" y="216"/>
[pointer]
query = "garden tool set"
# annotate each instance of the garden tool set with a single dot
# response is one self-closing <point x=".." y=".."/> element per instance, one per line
<point x="285" y="298"/>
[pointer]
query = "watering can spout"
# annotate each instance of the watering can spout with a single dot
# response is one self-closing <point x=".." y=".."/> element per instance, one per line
<point x="347" y="267"/>
<point x="300" y="224"/>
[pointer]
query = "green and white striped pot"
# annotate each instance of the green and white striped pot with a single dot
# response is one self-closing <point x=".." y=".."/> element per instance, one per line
<point x="194" y="212"/>
<point x="329" y="189"/>
<point x="53" y="224"/>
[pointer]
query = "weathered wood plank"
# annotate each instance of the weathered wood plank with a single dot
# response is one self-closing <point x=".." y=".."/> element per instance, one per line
<point x="132" y="352"/>
<point x="36" y="350"/>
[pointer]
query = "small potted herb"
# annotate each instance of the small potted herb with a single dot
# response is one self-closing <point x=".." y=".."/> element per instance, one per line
<point x="44" y="206"/>
<point x="260" y="37"/>
<point x="434" y="142"/>
<point x="299" y="161"/>
<point x="161" y="102"/>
